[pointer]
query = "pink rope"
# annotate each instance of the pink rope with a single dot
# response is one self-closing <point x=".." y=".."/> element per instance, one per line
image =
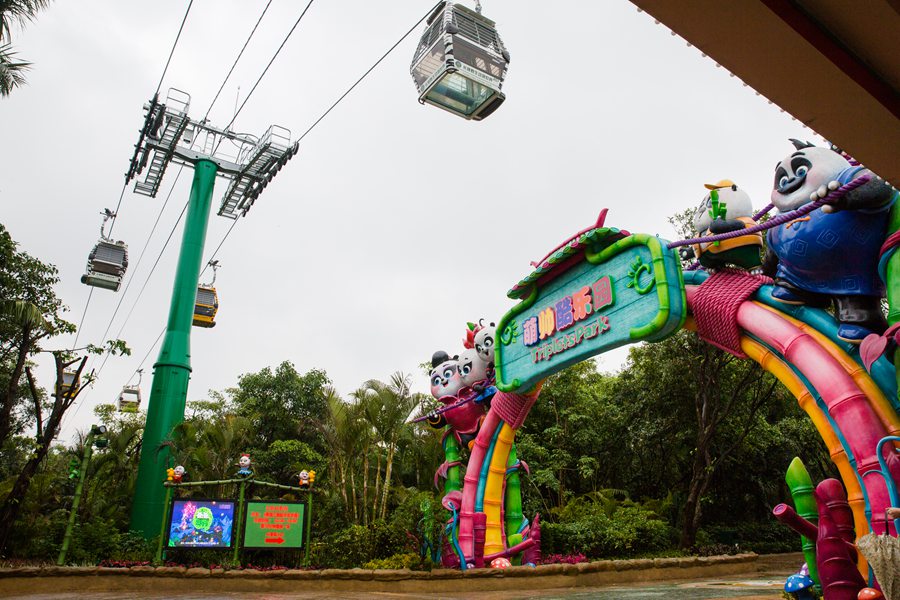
<point x="780" y="219"/>
<point x="715" y="307"/>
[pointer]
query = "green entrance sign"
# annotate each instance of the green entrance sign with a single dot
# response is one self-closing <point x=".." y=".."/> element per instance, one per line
<point x="602" y="289"/>
<point x="274" y="525"/>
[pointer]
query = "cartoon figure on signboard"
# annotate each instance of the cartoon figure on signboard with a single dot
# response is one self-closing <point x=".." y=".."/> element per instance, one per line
<point x="724" y="209"/>
<point x="178" y="474"/>
<point x="244" y="464"/>
<point x="830" y="255"/>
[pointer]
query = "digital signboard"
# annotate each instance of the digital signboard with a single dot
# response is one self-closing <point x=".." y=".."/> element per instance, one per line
<point x="201" y="523"/>
<point x="274" y="524"/>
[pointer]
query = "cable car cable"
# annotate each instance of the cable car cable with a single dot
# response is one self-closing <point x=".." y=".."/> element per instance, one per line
<point x="106" y="354"/>
<point x="338" y="101"/>
<point x="234" y="64"/>
<point x="172" y="51"/>
<point x="81" y="322"/>
<point x="246" y="99"/>
<point x="124" y="187"/>
<point x="372" y="68"/>
<point x="146" y="281"/>
<point x="175" y="181"/>
<point x="141" y="257"/>
<point x="177" y="175"/>
<point x="274" y="56"/>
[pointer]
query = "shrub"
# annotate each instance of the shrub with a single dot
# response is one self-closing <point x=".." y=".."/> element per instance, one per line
<point x="606" y="530"/>
<point x="398" y="561"/>
<point x="765" y="537"/>
<point x="348" y="548"/>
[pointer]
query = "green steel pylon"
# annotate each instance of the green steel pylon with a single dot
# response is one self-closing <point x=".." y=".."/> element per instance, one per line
<point x="169" y="135"/>
<point x="172" y="370"/>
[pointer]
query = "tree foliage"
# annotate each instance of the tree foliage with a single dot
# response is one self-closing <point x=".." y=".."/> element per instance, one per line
<point x="20" y="12"/>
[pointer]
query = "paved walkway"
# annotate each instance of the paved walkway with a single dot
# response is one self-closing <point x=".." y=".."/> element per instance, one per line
<point x="765" y="584"/>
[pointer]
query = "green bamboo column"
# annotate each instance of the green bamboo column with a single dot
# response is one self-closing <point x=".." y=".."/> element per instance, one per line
<point x="801" y="486"/>
<point x="512" y="503"/>
<point x="162" y="530"/>
<point x="173" y="367"/>
<point x="451" y="454"/>
<point x="238" y="525"/>
<point x="85" y="461"/>
<point x="309" y="503"/>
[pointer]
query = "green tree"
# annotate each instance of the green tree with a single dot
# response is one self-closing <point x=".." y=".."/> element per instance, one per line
<point x="14" y="11"/>
<point x="709" y="403"/>
<point x="572" y="432"/>
<point x="347" y="435"/>
<point x="387" y="407"/>
<point x="283" y="404"/>
<point x="29" y="315"/>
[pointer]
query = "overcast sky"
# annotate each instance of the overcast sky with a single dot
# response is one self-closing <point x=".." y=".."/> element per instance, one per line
<point x="396" y="223"/>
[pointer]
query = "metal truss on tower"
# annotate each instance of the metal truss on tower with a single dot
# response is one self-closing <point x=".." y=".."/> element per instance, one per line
<point x="170" y="135"/>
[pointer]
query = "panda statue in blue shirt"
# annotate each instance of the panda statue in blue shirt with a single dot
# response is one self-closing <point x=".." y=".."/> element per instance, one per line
<point x="831" y="254"/>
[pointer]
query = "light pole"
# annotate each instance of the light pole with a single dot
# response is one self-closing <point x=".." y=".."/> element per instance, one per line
<point x="93" y="439"/>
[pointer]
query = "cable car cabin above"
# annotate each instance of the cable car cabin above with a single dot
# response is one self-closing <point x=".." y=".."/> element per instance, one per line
<point x="70" y="384"/>
<point x="129" y="399"/>
<point x="460" y="63"/>
<point x="206" y="306"/>
<point x="106" y="265"/>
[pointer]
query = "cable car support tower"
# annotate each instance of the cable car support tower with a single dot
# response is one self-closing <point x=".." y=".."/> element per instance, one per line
<point x="169" y="135"/>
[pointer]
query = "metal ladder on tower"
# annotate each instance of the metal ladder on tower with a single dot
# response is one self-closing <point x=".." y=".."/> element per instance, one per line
<point x="262" y="158"/>
<point x="174" y="123"/>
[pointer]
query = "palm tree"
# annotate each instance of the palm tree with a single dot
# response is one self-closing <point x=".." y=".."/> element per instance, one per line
<point x="364" y="441"/>
<point x="21" y="12"/>
<point x="388" y="407"/>
<point x="113" y="473"/>
<point x="209" y="449"/>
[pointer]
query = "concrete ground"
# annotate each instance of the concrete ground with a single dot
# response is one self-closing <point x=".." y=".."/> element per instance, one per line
<point x="765" y="584"/>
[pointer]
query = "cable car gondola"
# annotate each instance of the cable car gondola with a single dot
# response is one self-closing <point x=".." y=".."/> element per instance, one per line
<point x="71" y="383"/>
<point x="207" y="303"/>
<point x="460" y="63"/>
<point x="129" y="400"/>
<point x="107" y="261"/>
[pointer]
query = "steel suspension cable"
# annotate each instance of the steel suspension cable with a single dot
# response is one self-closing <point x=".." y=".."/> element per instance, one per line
<point x="175" y="181"/>
<point x="372" y="68"/>
<point x="125" y="186"/>
<point x="305" y="133"/>
<point x="172" y="51"/>
<point x="272" y="60"/>
<point x="234" y="64"/>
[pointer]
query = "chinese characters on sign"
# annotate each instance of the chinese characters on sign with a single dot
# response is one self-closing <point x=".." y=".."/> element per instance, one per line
<point x="567" y="313"/>
<point x="274" y="525"/>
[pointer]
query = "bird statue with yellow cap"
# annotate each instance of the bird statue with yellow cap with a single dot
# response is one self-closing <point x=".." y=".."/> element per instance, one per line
<point x="727" y="208"/>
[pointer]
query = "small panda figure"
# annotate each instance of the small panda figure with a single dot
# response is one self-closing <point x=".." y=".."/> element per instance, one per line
<point x="446" y="382"/>
<point x="830" y="255"/>
<point x="473" y="369"/>
<point x="445" y="377"/>
<point x="727" y="208"/>
<point x="484" y="343"/>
